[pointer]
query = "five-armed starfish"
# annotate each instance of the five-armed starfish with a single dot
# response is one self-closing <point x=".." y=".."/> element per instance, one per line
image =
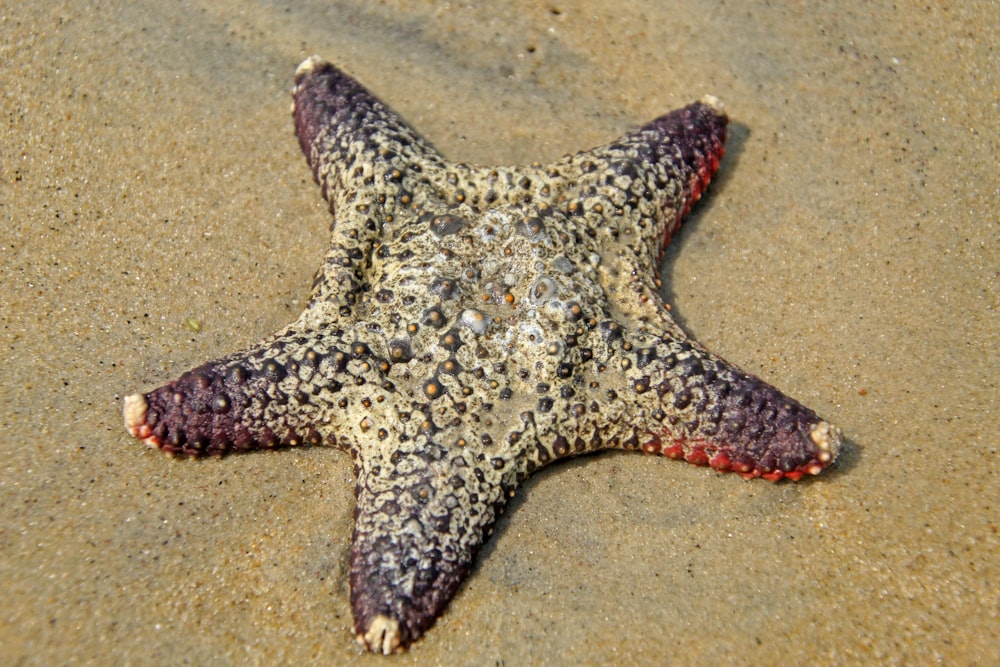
<point x="470" y="325"/>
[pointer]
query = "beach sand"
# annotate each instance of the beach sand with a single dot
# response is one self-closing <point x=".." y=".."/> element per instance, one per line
<point x="156" y="213"/>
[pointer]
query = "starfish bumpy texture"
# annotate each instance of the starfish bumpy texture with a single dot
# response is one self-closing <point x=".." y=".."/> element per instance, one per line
<point x="470" y="325"/>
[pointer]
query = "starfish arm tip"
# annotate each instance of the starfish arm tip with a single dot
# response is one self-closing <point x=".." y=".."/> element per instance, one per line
<point x="713" y="102"/>
<point x="308" y="65"/>
<point x="383" y="636"/>
<point x="134" y="413"/>
<point x="828" y="440"/>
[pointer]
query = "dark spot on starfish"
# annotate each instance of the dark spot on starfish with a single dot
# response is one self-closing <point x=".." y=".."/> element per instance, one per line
<point x="434" y="317"/>
<point x="449" y="367"/>
<point x="443" y="287"/>
<point x="682" y="399"/>
<point x="220" y="404"/>
<point x="573" y="311"/>
<point x="273" y="370"/>
<point x="610" y="331"/>
<point x="237" y="375"/>
<point x="530" y="228"/>
<point x="645" y="356"/>
<point x="433" y="388"/>
<point x="451" y="341"/>
<point x="444" y="225"/>
<point x="399" y="350"/>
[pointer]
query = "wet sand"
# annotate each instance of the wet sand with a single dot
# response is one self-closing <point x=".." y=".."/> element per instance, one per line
<point x="847" y="253"/>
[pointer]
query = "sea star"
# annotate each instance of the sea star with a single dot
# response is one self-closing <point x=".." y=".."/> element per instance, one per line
<point x="470" y="325"/>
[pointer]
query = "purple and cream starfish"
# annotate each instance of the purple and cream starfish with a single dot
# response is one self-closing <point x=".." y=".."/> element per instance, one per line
<point x="470" y="325"/>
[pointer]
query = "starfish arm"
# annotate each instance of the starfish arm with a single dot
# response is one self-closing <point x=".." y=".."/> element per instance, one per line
<point x="371" y="167"/>
<point x="422" y="515"/>
<point x="653" y="174"/>
<point x="291" y="389"/>
<point x="630" y="195"/>
<point x="666" y="395"/>
<point x="694" y="405"/>
<point x="351" y="138"/>
<point x="684" y="147"/>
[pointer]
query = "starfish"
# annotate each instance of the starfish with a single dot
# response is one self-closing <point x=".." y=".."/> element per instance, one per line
<point x="470" y="325"/>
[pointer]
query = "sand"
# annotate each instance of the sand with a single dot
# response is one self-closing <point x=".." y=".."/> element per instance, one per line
<point x="156" y="213"/>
